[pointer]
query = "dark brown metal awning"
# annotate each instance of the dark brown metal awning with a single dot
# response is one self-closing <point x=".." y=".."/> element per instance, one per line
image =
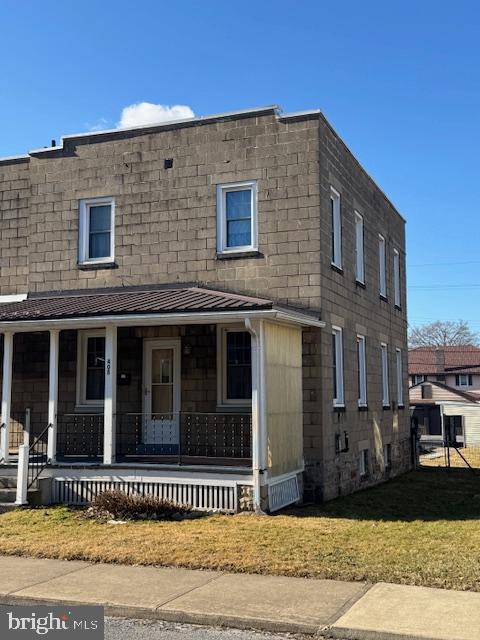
<point x="118" y="302"/>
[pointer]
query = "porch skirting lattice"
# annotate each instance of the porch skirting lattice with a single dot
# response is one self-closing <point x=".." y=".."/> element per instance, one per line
<point x="204" y="496"/>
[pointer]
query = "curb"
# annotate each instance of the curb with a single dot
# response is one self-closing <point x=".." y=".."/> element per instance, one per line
<point x="182" y="617"/>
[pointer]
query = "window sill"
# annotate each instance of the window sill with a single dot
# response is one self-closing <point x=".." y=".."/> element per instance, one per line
<point x="87" y="408"/>
<point x="360" y="284"/>
<point x="363" y="407"/>
<point x="234" y="408"/>
<point x="336" y="268"/>
<point x="398" y="307"/>
<point x="92" y="266"/>
<point x="339" y="408"/>
<point x="238" y="255"/>
<point x="384" y="298"/>
<point x="386" y="407"/>
<point x="401" y="406"/>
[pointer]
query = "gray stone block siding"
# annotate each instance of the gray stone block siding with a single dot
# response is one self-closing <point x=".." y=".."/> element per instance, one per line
<point x="165" y="232"/>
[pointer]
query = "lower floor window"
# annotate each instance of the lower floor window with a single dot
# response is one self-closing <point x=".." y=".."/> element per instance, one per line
<point x="91" y="368"/>
<point x="363" y="463"/>
<point x="235" y="370"/>
<point x="387" y="456"/>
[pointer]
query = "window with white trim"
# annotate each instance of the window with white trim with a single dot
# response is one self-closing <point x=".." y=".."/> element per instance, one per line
<point x="399" y="371"/>
<point x="396" y="278"/>
<point x="385" y="381"/>
<point x="234" y="366"/>
<point x="463" y="380"/>
<point x="418" y="378"/>
<point x="359" y="249"/>
<point x="363" y="463"/>
<point x="382" y="265"/>
<point x="91" y="368"/>
<point x="337" y="363"/>
<point x="237" y="217"/>
<point x="96" y="231"/>
<point x="336" y="220"/>
<point x="362" y="371"/>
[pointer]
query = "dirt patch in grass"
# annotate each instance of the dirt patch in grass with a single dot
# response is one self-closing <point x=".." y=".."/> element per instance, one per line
<point x="423" y="529"/>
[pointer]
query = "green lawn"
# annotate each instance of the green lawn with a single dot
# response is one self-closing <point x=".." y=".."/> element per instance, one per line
<point x="423" y="528"/>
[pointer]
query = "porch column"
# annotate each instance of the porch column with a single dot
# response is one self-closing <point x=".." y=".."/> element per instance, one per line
<point x="53" y="395"/>
<point x="256" y="330"/>
<point x="110" y="408"/>
<point x="6" y="394"/>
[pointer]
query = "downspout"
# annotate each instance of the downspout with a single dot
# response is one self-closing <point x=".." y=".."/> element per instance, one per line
<point x="258" y="428"/>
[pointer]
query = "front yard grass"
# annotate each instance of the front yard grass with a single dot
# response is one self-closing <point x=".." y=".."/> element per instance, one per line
<point x="422" y="528"/>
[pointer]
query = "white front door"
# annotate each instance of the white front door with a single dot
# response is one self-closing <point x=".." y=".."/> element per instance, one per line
<point x="161" y="381"/>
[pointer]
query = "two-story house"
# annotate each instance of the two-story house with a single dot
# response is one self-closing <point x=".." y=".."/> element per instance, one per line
<point x="445" y="394"/>
<point x="211" y="310"/>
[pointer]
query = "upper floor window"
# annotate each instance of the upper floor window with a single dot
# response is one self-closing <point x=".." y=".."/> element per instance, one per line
<point x="418" y="378"/>
<point x="337" y="361"/>
<point x="336" y="228"/>
<point x="235" y="367"/>
<point x="359" y="252"/>
<point x="396" y="277"/>
<point x="382" y="265"/>
<point x="96" y="225"/>
<point x="237" y="217"/>
<point x="385" y="377"/>
<point x="91" y="367"/>
<point x="463" y="380"/>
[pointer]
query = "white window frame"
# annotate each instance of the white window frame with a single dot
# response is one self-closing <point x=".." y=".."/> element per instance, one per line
<point x="362" y="370"/>
<point x="417" y="380"/>
<point x="82" y="343"/>
<point x="336" y="228"/>
<point x="464" y="376"/>
<point x="399" y="370"/>
<point x="363" y="463"/>
<point x="339" y="401"/>
<point x="359" y="248"/>
<point x="382" y="265"/>
<point x="396" y="278"/>
<point x="222" y="400"/>
<point x="84" y="230"/>
<point x="222" y="190"/>
<point x="385" y="377"/>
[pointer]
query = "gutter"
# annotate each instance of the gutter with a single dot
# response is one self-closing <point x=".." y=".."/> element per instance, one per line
<point x="149" y="319"/>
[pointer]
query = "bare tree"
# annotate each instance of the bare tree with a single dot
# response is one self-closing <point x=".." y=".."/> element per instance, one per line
<point x="443" y="334"/>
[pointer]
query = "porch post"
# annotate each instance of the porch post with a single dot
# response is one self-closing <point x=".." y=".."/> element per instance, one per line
<point x="256" y="331"/>
<point x="6" y="394"/>
<point x="53" y="395"/>
<point x="110" y="408"/>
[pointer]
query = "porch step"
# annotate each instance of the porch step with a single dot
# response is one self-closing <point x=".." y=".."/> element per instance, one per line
<point x="8" y="482"/>
<point x="7" y="495"/>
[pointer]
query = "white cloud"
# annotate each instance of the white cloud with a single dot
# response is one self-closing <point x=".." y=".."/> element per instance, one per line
<point x="148" y="113"/>
<point x="100" y="125"/>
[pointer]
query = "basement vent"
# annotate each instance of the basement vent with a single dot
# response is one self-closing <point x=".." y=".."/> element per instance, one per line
<point x="205" y="497"/>
<point x="283" y="493"/>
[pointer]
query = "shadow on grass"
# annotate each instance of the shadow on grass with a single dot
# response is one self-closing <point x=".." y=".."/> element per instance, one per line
<point x="428" y="495"/>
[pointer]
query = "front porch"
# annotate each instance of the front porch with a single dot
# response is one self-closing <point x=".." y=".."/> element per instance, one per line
<point x="218" y="390"/>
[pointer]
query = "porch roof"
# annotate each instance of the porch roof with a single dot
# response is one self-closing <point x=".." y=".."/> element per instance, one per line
<point x="124" y="305"/>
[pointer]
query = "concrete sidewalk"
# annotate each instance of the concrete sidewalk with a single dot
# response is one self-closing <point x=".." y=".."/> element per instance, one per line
<point x="332" y="608"/>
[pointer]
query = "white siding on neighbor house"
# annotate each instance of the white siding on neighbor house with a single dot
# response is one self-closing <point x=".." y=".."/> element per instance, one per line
<point x="439" y="394"/>
<point x="471" y="421"/>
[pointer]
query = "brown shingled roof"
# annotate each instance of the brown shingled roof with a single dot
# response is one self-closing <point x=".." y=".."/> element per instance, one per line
<point x="116" y="302"/>
<point x="441" y="360"/>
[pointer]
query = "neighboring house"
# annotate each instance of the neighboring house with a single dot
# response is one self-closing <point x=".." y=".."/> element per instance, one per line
<point x="211" y="310"/>
<point x="444" y="414"/>
<point x="456" y="366"/>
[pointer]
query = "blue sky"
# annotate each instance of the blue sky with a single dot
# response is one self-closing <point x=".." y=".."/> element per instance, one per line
<point x="399" y="81"/>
